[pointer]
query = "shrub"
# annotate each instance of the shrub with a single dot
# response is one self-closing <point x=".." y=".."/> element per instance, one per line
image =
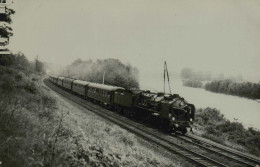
<point x="221" y="130"/>
<point x="209" y="116"/>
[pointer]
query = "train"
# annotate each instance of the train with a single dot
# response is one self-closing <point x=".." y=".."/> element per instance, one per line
<point x="170" y="111"/>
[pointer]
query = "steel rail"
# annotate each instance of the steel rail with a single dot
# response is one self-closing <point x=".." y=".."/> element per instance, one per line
<point x="223" y="151"/>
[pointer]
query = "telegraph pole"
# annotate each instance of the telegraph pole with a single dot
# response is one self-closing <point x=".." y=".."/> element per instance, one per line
<point x="104" y="77"/>
<point x="168" y="78"/>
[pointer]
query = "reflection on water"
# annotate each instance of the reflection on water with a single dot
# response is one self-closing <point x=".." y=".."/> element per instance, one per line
<point x="244" y="110"/>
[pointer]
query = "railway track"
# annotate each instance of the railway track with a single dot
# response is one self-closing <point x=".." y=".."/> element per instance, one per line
<point x="154" y="137"/>
<point x="222" y="151"/>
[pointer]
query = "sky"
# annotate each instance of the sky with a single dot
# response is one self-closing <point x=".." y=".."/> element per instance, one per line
<point x="222" y="36"/>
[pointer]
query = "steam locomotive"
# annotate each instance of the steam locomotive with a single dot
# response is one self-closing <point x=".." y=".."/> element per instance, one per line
<point x="170" y="111"/>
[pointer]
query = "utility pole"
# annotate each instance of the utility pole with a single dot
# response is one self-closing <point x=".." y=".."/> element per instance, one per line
<point x="104" y="77"/>
<point x="168" y="78"/>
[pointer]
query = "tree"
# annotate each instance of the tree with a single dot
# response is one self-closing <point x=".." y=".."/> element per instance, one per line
<point x="39" y="67"/>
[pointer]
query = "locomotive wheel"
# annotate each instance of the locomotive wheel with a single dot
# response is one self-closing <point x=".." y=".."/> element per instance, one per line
<point x="166" y="126"/>
<point x="183" y="131"/>
<point x="118" y="109"/>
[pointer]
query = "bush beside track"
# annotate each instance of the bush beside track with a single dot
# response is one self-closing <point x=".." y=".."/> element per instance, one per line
<point x="214" y="126"/>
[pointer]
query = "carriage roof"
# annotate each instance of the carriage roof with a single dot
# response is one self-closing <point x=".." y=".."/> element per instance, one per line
<point x="105" y="87"/>
<point x="80" y="82"/>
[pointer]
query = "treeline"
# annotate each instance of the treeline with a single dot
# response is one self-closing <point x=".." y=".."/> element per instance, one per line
<point x="243" y="89"/>
<point x="192" y="83"/>
<point x="20" y="62"/>
<point x="114" y="71"/>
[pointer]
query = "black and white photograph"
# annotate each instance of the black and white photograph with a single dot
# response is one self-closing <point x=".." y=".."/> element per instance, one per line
<point x="130" y="83"/>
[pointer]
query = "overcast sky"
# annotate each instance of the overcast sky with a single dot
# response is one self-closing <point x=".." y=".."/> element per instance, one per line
<point x="208" y="35"/>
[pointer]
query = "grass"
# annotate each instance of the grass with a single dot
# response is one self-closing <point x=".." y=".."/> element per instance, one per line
<point x="213" y="125"/>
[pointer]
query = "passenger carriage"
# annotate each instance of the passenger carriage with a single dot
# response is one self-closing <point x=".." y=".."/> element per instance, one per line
<point x="103" y="93"/>
<point x="67" y="83"/>
<point x="60" y="81"/>
<point x="80" y="87"/>
<point x="54" y="79"/>
<point x="51" y="78"/>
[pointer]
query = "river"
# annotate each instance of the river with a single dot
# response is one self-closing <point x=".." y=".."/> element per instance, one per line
<point x="234" y="108"/>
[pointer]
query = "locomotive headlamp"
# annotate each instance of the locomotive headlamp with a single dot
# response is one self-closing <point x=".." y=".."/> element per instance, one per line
<point x="191" y="119"/>
<point x="173" y="118"/>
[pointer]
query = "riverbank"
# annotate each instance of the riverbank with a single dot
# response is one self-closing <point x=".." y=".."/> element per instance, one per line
<point x="211" y="124"/>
